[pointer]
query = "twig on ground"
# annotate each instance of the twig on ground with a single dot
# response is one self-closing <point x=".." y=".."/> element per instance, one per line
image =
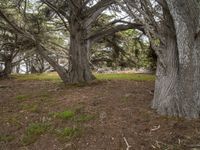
<point x="179" y="141"/>
<point x="128" y="146"/>
<point x="155" y="128"/>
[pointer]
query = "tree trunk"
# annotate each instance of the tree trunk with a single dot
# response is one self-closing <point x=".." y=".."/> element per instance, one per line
<point x="165" y="99"/>
<point x="59" y="69"/>
<point x="33" y="70"/>
<point x="79" y="68"/>
<point x="177" y="89"/>
<point x="8" y="67"/>
<point x="18" y="68"/>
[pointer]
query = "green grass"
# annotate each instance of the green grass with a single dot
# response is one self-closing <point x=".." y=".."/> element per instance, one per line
<point x="22" y="97"/>
<point x="65" y="115"/>
<point x="6" y="138"/>
<point x="14" y="121"/>
<point x="44" y="96"/>
<point x="31" y="108"/>
<point x="113" y="76"/>
<point x="84" y="118"/>
<point x="44" y="76"/>
<point x="67" y="133"/>
<point x="126" y="76"/>
<point x="33" y="132"/>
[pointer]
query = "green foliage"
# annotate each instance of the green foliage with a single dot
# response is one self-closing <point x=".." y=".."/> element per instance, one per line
<point x="65" y="115"/>
<point x="44" y="97"/>
<point x="31" y="108"/>
<point x="128" y="76"/>
<point x="6" y="138"/>
<point x="22" y="97"/>
<point x="67" y="133"/>
<point x="156" y="42"/>
<point x="137" y="49"/>
<point x="112" y="76"/>
<point x="127" y="49"/>
<point x="43" y="76"/>
<point x="34" y="131"/>
<point x="14" y="121"/>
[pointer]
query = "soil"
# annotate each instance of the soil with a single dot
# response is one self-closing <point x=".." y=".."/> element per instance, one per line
<point x="121" y="109"/>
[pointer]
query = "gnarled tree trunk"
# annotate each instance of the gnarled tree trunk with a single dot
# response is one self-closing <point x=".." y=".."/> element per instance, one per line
<point x="165" y="96"/>
<point x="62" y="72"/>
<point x="79" y="68"/>
<point x="177" y="90"/>
<point x="8" y="68"/>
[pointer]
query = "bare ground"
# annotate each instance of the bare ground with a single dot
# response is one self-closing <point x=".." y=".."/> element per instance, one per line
<point x="120" y="109"/>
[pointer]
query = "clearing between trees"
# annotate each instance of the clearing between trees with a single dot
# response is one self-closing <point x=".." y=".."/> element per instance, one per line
<point x="112" y="113"/>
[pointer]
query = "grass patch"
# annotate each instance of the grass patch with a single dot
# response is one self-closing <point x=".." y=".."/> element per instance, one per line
<point x="113" y="76"/>
<point x="84" y="118"/>
<point x="31" y="108"/>
<point x="44" y="96"/>
<point x="6" y="138"/>
<point x="53" y="76"/>
<point x="14" y="121"/>
<point x="67" y="133"/>
<point x="33" y="132"/>
<point x="126" y="76"/>
<point x="22" y="97"/>
<point x="65" y="115"/>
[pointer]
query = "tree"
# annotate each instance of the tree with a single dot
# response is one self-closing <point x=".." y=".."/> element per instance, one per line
<point x="173" y="34"/>
<point x="32" y="28"/>
<point x="11" y="45"/>
<point x="179" y="94"/>
<point x="79" y="18"/>
<point x="125" y="49"/>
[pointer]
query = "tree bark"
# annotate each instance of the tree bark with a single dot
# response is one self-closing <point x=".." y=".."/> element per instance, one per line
<point x="79" y="67"/>
<point x="177" y="89"/>
<point x="8" y="67"/>
<point x="59" y="69"/>
<point x="165" y="100"/>
<point x="7" y="70"/>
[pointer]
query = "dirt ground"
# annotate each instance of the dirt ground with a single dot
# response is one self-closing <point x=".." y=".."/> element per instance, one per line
<point x="120" y="110"/>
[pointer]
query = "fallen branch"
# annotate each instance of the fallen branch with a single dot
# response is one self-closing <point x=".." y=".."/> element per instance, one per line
<point x="128" y="146"/>
<point x="155" y="128"/>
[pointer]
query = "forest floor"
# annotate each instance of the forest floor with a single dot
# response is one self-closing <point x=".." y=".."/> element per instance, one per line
<point x="37" y="113"/>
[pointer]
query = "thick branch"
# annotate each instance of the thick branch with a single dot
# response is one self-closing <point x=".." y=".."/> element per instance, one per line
<point x="100" y="34"/>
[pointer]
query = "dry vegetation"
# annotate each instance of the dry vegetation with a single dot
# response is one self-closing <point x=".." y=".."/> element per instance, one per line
<point x="39" y="112"/>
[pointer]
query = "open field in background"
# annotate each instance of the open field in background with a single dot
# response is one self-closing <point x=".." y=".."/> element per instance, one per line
<point x="39" y="113"/>
<point x="103" y="76"/>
